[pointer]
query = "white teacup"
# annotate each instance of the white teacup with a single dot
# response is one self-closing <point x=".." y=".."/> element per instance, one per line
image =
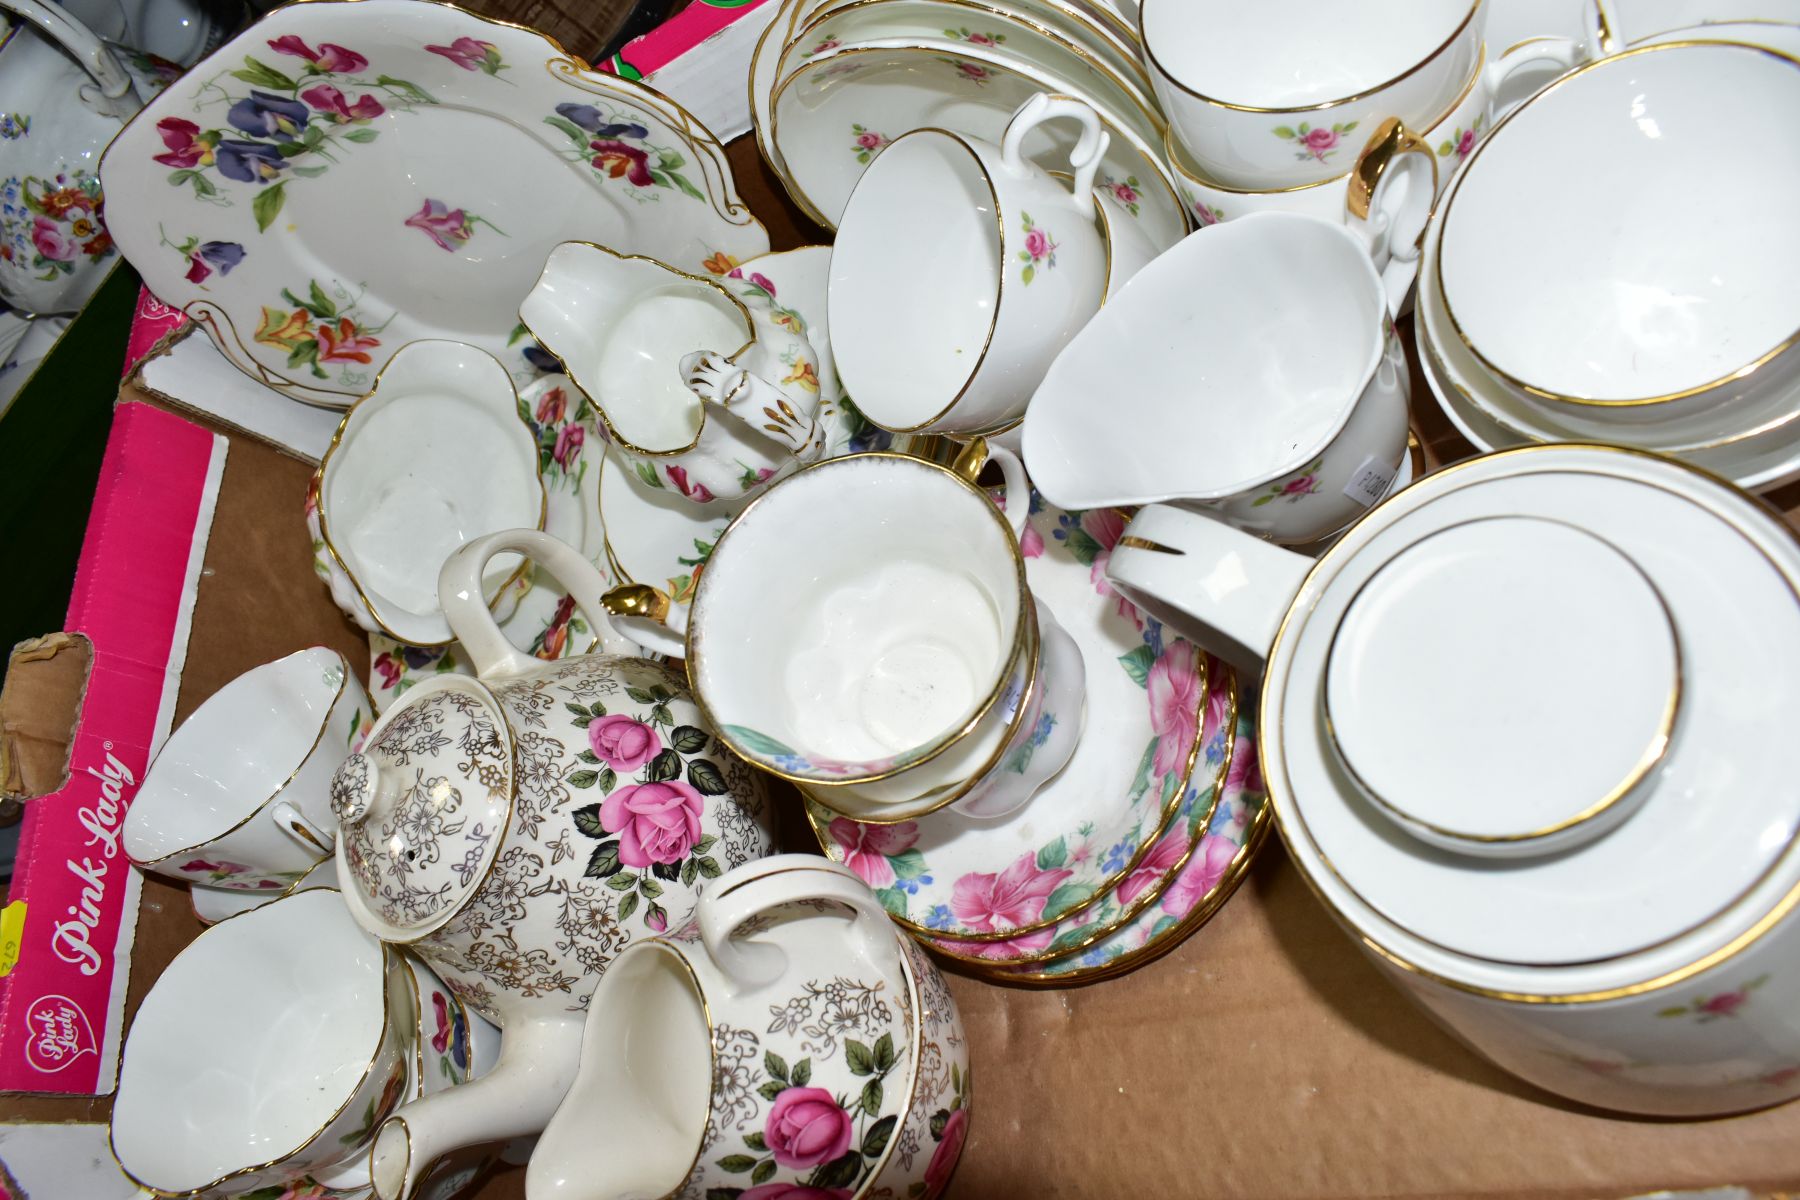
<point x="238" y="796"/>
<point x="960" y="269"/>
<point x="267" y="1051"/>
<point x="1279" y="92"/>
<point x="864" y="629"/>
<point x="1272" y="393"/>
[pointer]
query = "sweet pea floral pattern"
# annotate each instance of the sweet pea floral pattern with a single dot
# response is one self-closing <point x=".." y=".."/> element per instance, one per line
<point x="1315" y="143"/>
<point x="206" y="258"/>
<point x="293" y="116"/>
<point x="448" y="227"/>
<point x="48" y="227"/>
<point x="324" y="330"/>
<point x="616" y="144"/>
<point x="1038" y="252"/>
<point x="219" y="873"/>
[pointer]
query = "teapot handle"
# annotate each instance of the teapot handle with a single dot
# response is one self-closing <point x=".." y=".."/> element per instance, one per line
<point x="88" y="50"/>
<point x="767" y="883"/>
<point x="465" y="606"/>
<point x="1224" y="589"/>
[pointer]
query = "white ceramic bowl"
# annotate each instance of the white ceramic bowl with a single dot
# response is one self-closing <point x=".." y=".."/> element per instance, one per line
<point x="1566" y="274"/>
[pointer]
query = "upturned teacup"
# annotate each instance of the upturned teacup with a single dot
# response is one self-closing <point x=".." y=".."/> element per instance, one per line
<point x="1273" y="397"/>
<point x="961" y="269"/>
<point x="238" y="797"/>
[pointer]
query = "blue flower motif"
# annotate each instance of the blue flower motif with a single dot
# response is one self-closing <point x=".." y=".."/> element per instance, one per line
<point x="589" y="118"/>
<point x="1093" y="956"/>
<point x="938" y="917"/>
<point x="911" y="886"/>
<point x="1116" y="857"/>
<point x="249" y="162"/>
<point x="261" y="114"/>
<point x="222" y="255"/>
<point x="540" y="358"/>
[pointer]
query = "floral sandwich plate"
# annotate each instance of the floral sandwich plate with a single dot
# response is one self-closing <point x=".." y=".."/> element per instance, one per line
<point x="1175" y="844"/>
<point x="1224" y="837"/>
<point x="347" y="176"/>
<point x="657" y="537"/>
<point x="976" y="880"/>
<point x="540" y="617"/>
<point x="829" y="119"/>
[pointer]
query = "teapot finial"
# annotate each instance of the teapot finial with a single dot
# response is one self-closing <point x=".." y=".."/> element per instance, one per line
<point x="353" y="788"/>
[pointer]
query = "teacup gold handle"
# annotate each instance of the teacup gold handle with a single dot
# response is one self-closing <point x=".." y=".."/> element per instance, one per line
<point x="1389" y="141"/>
<point x="637" y="600"/>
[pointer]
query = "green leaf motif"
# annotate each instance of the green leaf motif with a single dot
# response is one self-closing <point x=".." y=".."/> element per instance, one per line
<point x="588" y="756"/>
<point x="1137" y="664"/>
<point x="668" y="871"/>
<point x="690" y="871"/>
<point x="871" y="1097"/>
<point x="876" y="1140"/>
<point x="737" y="1164"/>
<point x="838" y="1173"/>
<point x="587" y="820"/>
<point x="624" y="881"/>
<point x="709" y="867"/>
<point x="706" y="778"/>
<point x="573" y="707"/>
<point x="1066" y="897"/>
<point x="755" y="1142"/>
<point x="759" y="742"/>
<point x="687" y="189"/>
<point x="362" y="135"/>
<point x="267" y="205"/>
<point x="262" y="75"/>
<point x="628" y="905"/>
<point x="573" y="131"/>
<point x="723" y="1193"/>
<point x="1053" y="855"/>
<point x="582" y="779"/>
<point x="604" y="862"/>
<point x="665" y="766"/>
<point x="706" y="843"/>
<point x="908" y="864"/>
<point x="892" y="899"/>
<point x="1026" y="275"/>
<point x="765" y="1171"/>
<point x="802" y="1074"/>
<point x="640" y="695"/>
<point x="1286" y="132"/>
<point x="1082" y="547"/>
<point x="609" y="779"/>
<point x="939" y="1120"/>
<point x="775" y="1065"/>
<point x="860" y="1059"/>
<point x="769" y="1090"/>
<point x="884" y="1053"/>
<point x="647" y="474"/>
<point x="651" y="888"/>
<point x="1068" y="939"/>
<point x="689" y="740"/>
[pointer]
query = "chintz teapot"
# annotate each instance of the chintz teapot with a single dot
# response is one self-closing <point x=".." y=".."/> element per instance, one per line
<point x="519" y="829"/>
<point x="62" y="98"/>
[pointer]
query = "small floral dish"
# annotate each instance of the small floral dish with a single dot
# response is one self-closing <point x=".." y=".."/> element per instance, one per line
<point x="435" y="455"/>
<point x="473" y="147"/>
<point x="1224" y="837"/>
<point x="1175" y="843"/>
<point x="701" y="386"/>
<point x="972" y="880"/>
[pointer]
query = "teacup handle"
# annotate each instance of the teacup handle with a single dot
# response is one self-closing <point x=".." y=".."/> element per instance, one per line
<point x="1084" y="160"/>
<point x="289" y="821"/>
<point x="1564" y="52"/>
<point x="648" y="616"/>
<point x="767" y="883"/>
<point x="1392" y="228"/>
<point x="1222" y="588"/>
<point x="977" y="453"/>
<point x="465" y="606"/>
<point x="88" y="50"/>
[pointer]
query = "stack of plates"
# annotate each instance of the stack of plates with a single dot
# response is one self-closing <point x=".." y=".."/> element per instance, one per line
<point x="834" y="81"/>
<point x="1615" y="264"/>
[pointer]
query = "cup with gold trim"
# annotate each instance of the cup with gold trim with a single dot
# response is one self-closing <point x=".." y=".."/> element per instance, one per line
<point x="238" y="796"/>
<point x="864" y="629"/>
<point x="700" y="384"/>
<point x="267" y="1052"/>
<point x="437" y="453"/>
<point x="681" y="1021"/>
<point x="959" y="271"/>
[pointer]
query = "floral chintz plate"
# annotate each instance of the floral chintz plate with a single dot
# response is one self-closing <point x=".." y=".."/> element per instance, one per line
<point x="347" y="176"/>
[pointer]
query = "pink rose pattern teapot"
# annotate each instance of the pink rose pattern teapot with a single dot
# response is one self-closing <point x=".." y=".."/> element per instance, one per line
<point x="519" y="829"/>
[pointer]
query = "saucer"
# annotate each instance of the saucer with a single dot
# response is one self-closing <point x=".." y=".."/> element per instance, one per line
<point x="1174" y="846"/>
<point x="976" y="880"/>
<point x="542" y="619"/>
<point x="1231" y="838"/>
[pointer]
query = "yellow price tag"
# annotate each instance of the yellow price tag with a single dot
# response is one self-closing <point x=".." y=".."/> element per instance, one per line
<point x="12" y="935"/>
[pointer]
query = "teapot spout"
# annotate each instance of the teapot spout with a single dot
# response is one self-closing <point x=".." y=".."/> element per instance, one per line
<point x="538" y="1058"/>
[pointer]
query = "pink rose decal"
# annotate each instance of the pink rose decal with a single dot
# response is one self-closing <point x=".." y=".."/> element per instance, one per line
<point x="1037" y="244"/>
<point x="1174" y="692"/>
<point x="657" y="919"/>
<point x="1201" y="875"/>
<point x="870" y="140"/>
<point x="622" y="742"/>
<point x="328" y="99"/>
<point x="806" y="1127"/>
<point x="51" y="241"/>
<point x="1320" y="139"/>
<point x="1159" y="862"/>
<point x="1725" y="1004"/>
<point x="1317" y="144"/>
<point x="656" y="822"/>
<point x="1465" y="143"/>
<point x="213" y="868"/>
<point x="1125" y="193"/>
<point x="794" y="1191"/>
<point x="949" y="1149"/>
<point x="568" y="446"/>
<point x="1015" y="897"/>
<point x="867" y="848"/>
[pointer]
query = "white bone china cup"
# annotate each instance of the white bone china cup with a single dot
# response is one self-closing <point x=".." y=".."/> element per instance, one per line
<point x="1273" y="397"/>
<point x="960" y="269"/>
<point x="238" y="797"/>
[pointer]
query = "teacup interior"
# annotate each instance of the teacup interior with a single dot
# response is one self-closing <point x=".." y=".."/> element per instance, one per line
<point x="621" y="326"/>
<point x="249" y="1043"/>
<point x="1289" y="53"/>
<point x="437" y="455"/>
<point x="1229" y="360"/>
<point x="860" y="611"/>
<point x="915" y="279"/>
<point x="234" y="753"/>
<point x="646" y="1038"/>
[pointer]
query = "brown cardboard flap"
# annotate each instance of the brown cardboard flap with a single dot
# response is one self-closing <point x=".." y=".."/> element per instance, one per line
<point x="40" y="708"/>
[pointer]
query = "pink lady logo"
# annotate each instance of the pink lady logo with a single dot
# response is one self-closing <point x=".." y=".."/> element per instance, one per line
<point x="60" y="1034"/>
<point x="72" y="940"/>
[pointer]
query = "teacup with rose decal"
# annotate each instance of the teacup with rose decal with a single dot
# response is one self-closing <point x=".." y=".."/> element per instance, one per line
<point x="1268" y="343"/>
<point x="648" y="344"/>
<point x="703" y="1094"/>
<point x="961" y="268"/>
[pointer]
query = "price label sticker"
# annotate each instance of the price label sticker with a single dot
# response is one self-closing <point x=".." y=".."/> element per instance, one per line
<point x="1370" y="482"/>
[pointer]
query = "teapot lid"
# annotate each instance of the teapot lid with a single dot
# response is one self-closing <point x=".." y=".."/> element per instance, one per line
<point x="422" y="807"/>
<point x="1627" y="631"/>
